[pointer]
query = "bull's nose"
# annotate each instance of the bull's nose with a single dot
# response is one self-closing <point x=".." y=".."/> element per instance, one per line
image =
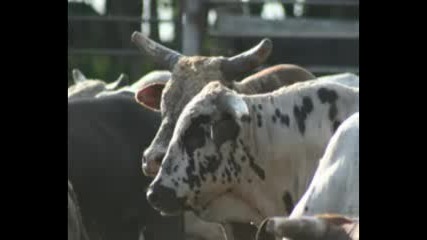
<point x="150" y="166"/>
<point x="163" y="198"/>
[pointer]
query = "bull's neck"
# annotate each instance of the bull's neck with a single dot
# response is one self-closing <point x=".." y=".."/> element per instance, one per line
<point x="287" y="157"/>
<point x="275" y="131"/>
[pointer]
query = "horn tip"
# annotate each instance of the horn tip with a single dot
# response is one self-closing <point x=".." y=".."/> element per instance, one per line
<point x="136" y="36"/>
<point x="76" y="72"/>
<point x="124" y="76"/>
<point x="267" y="42"/>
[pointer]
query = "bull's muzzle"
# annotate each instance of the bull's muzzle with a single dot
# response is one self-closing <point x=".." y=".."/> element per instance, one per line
<point x="151" y="165"/>
<point x="164" y="199"/>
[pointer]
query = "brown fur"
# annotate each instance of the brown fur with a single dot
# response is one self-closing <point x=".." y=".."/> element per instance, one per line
<point x="189" y="76"/>
<point x="335" y="219"/>
<point x="273" y="78"/>
<point x="349" y="226"/>
<point x="332" y="227"/>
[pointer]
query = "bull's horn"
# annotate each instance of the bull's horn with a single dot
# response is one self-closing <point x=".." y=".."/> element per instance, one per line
<point x="304" y="227"/>
<point x="122" y="81"/>
<point x="248" y="60"/>
<point x="78" y="76"/>
<point x="264" y="231"/>
<point x="164" y="56"/>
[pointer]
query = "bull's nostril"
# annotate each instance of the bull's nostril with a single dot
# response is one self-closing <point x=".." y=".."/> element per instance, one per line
<point x="152" y="197"/>
<point x="163" y="198"/>
<point x="159" y="159"/>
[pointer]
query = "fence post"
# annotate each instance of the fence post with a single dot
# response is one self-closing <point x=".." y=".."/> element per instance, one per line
<point x="192" y="27"/>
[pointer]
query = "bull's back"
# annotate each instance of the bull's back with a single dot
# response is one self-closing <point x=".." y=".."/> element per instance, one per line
<point x="106" y="137"/>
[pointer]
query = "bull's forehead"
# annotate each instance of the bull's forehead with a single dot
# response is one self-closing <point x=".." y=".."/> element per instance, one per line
<point x="195" y="109"/>
<point x="189" y="76"/>
<point x="202" y="104"/>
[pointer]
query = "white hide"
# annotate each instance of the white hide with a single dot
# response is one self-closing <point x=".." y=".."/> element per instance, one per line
<point x="348" y="79"/>
<point x="335" y="185"/>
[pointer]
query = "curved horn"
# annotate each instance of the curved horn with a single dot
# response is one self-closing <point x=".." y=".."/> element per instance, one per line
<point x="122" y="81"/>
<point x="298" y="228"/>
<point x="78" y="76"/>
<point x="248" y="60"/>
<point x="161" y="54"/>
<point x="265" y="231"/>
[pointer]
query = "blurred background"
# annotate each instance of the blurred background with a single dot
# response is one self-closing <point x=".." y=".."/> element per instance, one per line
<point x="320" y="35"/>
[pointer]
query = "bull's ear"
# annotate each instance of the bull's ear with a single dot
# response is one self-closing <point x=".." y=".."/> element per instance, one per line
<point x="232" y="109"/>
<point x="233" y="104"/>
<point x="122" y="81"/>
<point x="150" y="96"/>
<point x="149" y="92"/>
<point x="224" y="129"/>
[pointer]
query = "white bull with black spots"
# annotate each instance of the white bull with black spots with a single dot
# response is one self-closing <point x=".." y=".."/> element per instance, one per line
<point x="334" y="189"/>
<point x="242" y="158"/>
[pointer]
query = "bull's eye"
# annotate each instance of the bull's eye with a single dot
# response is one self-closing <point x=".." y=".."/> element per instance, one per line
<point x="194" y="139"/>
<point x="224" y="130"/>
<point x="195" y="135"/>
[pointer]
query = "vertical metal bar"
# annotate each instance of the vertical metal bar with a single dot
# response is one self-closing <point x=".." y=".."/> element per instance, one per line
<point x="191" y="28"/>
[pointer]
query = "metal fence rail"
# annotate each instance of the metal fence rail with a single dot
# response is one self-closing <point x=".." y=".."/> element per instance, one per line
<point x="103" y="51"/>
<point x="223" y="28"/>
<point x="306" y="2"/>
<point x="289" y="28"/>
<point x="111" y="18"/>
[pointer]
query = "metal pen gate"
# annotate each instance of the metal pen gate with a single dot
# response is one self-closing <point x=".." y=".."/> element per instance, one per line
<point x="323" y="45"/>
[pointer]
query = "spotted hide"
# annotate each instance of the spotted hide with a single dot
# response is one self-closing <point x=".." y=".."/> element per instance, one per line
<point x="241" y="158"/>
<point x="335" y="185"/>
<point x="334" y="189"/>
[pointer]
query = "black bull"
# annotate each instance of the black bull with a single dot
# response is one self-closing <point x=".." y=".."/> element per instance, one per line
<point x="106" y="137"/>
